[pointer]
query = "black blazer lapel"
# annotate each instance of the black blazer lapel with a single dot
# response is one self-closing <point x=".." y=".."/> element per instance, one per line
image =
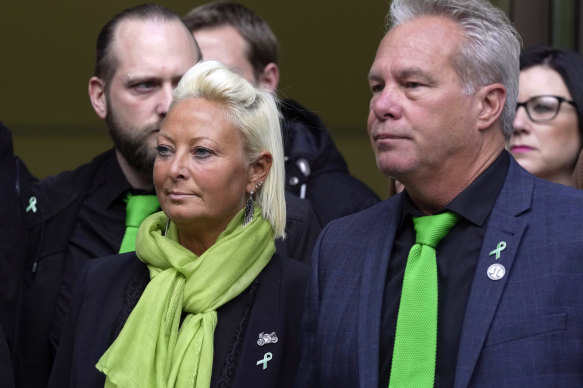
<point x="374" y="274"/>
<point x="270" y="349"/>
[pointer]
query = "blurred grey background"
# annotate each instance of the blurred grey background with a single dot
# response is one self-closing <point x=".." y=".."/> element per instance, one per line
<point x="326" y="49"/>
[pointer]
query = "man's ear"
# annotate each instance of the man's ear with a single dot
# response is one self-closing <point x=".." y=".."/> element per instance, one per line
<point x="269" y="78"/>
<point x="97" y="96"/>
<point x="259" y="169"/>
<point x="491" y="104"/>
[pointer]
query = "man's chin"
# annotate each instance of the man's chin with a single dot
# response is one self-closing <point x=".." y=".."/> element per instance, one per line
<point x="393" y="167"/>
<point x="140" y="161"/>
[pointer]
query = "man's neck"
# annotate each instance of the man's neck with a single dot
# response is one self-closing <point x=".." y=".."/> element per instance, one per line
<point x="138" y="179"/>
<point x="436" y="192"/>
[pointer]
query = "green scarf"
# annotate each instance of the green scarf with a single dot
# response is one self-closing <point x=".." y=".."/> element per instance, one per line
<point x="154" y="349"/>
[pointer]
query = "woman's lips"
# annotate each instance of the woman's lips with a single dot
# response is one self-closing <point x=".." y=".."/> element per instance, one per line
<point x="520" y="148"/>
<point x="176" y="196"/>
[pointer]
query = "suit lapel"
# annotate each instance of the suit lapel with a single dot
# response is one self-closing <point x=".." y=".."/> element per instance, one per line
<point x="504" y="227"/>
<point x="259" y="365"/>
<point x="380" y="242"/>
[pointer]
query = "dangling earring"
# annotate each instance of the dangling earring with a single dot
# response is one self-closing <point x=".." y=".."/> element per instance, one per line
<point x="167" y="226"/>
<point x="250" y="205"/>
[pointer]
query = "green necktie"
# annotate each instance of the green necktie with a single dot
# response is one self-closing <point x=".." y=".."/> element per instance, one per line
<point x="138" y="207"/>
<point x="416" y="336"/>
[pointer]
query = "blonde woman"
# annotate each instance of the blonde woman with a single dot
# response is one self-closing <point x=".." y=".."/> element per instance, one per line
<point x="204" y="301"/>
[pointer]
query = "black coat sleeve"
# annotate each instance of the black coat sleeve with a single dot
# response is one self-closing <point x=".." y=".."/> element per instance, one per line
<point x="11" y="255"/>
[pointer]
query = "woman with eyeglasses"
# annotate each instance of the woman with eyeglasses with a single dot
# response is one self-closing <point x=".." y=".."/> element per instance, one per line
<point x="547" y="126"/>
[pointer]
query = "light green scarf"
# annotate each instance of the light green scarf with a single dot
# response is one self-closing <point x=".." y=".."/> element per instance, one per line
<point x="154" y="349"/>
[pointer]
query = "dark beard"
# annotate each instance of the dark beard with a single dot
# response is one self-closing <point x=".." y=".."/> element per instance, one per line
<point x="135" y="150"/>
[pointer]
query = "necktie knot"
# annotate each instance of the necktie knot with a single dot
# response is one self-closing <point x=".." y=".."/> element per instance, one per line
<point x="430" y="230"/>
<point x="138" y="207"/>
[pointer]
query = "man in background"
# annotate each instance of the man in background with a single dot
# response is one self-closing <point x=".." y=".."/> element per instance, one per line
<point x="315" y="170"/>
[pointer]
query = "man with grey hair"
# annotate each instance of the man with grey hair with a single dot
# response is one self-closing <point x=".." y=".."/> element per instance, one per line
<point x="471" y="276"/>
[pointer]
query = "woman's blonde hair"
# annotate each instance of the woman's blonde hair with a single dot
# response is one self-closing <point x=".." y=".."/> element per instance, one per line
<point x="254" y="112"/>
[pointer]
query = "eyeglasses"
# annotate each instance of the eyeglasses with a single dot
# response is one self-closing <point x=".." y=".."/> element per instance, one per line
<point x="542" y="109"/>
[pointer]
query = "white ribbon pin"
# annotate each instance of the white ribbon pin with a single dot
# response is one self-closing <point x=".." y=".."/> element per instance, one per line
<point x="266" y="358"/>
<point x="499" y="248"/>
<point x="31" y="205"/>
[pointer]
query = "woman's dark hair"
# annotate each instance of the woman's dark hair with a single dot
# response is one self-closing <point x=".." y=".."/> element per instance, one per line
<point x="569" y="65"/>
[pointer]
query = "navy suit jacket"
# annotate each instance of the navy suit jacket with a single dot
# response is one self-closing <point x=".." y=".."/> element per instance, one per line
<point x="523" y="330"/>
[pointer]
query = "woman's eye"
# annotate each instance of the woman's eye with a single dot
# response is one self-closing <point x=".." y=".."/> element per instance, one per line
<point x="543" y="108"/>
<point x="201" y="152"/>
<point x="163" y="150"/>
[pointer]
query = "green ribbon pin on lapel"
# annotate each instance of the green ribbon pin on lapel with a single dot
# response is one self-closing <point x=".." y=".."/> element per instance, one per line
<point x="499" y="248"/>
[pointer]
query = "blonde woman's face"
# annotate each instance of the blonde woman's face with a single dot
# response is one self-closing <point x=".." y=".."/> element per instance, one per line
<point x="201" y="173"/>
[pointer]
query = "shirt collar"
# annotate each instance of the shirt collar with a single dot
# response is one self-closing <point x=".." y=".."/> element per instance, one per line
<point x="477" y="200"/>
<point x="110" y="182"/>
